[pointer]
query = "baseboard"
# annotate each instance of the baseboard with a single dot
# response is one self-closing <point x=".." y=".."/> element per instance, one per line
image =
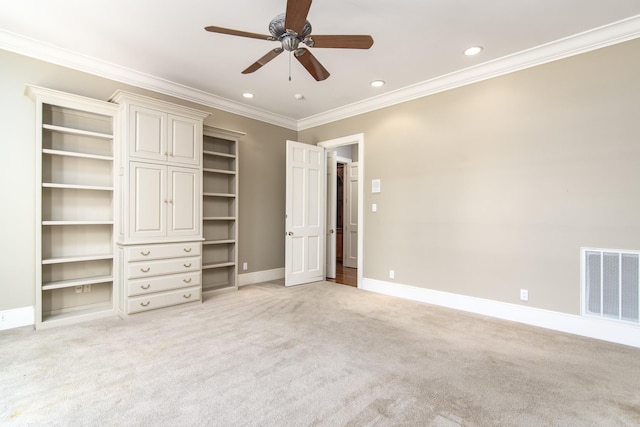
<point x="16" y="318"/>
<point x="260" y="276"/>
<point x="601" y="329"/>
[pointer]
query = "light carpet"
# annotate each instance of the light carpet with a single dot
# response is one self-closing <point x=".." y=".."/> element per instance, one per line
<point x="318" y="354"/>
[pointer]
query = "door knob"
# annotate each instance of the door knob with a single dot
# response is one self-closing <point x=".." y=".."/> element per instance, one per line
<point x="290" y="233"/>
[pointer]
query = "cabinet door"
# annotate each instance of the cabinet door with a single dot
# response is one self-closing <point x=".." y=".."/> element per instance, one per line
<point x="147" y="200"/>
<point x="184" y="202"/>
<point x="147" y="133"/>
<point x="184" y="140"/>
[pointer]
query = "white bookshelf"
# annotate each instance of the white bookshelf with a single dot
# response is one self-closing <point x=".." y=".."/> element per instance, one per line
<point x="220" y="210"/>
<point x="75" y="207"/>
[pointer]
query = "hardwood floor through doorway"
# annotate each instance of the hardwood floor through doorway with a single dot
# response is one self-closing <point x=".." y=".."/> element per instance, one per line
<point x="345" y="275"/>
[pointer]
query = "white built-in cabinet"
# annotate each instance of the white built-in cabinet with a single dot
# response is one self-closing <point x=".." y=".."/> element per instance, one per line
<point x="136" y="206"/>
<point x="220" y="209"/>
<point x="160" y="226"/>
<point x="76" y="201"/>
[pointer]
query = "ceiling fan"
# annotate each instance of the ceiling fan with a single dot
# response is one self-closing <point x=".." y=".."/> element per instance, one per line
<point x="292" y="29"/>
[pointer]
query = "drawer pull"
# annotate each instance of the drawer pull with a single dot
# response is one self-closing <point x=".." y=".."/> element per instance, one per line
<point x="145" y="287"/>
<point x="186" y="296"/>
<point x="187" y="265"/>
<point x="143" y="253"/>
<point x="186" y="249"/>
<point x="145" y="270"/>
<point x="144" y="304"/>
<point x="187" y="280"/>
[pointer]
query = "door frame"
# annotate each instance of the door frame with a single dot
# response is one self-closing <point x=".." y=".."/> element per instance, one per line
<point x="350" y="140"/>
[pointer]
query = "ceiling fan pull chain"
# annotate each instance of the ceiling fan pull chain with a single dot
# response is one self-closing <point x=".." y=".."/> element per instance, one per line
<point x="290" y="53"/>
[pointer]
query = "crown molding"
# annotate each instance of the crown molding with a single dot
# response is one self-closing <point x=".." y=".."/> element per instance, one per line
<point x="617" y="32"/>
<point x="46" y="52"/>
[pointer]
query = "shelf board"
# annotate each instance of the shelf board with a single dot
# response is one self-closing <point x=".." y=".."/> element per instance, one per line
<point x="76" y="282"/>
<point x="77" y="222"/>
<point x="219" y="218"/>
<point x="230" y="195"/>
<point x="222" y="171"/>
<point x="218" y="242"/>
<point x="62" y="260"/>
<point x="63" y="129"/>
<point x="76" y="154"/>
<point x="218" y="265"/>
<point x="217" y="287"/>
<point x="94" y="311"/>
<point x="76" y="186"/>
<point x="216" y="153"/>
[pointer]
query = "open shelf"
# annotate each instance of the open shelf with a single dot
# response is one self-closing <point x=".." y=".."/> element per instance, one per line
<point x="220" y="171"/>
<point x="74" y="131"/>
<point x="76" y="154"/>
<point x="80" y="258"/>
<point x="218" y="265"/>
<point x="72" y="283"/>
<point x="218" y="154"/>
<point x="218" y="242"/>
<point x="77" y="222"/>
<point x="228" y="195"/>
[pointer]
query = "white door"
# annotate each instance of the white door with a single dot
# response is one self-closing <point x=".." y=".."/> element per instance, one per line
<point x="332" y="220"/>
<point x="184" y="202"/>
<point x="350" y="257"/>
<point x="184" y="139"/>
<point x="147" y="200"/>
<point x="147" y="133"/>
<point x="304" y="224"/>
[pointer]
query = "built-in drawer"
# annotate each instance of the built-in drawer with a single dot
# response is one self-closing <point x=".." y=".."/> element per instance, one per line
<point x="164" y="299"/>
<point x="140" y="269"/>
<point x="163" y="251"/>
<point x="162" y="283"/>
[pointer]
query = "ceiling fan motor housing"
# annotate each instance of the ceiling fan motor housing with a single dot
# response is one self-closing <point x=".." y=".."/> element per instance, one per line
<point x="289" y="38"/>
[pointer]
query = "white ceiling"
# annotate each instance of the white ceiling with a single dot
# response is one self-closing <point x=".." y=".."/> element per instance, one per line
<point x="161" y="45"/>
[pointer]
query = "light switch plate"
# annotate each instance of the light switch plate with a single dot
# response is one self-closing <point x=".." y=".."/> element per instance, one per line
<point x="375" y="185"/>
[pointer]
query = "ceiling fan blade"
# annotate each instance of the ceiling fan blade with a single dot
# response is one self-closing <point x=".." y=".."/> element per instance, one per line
<point x="313" y="66"/>
<point x="296" y="15"/>
<point x="340" y="42"/>
<point x="262" y="61"/>
<point x="230" y="32"/>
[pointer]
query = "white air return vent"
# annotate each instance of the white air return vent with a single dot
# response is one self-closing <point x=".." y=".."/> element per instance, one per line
<point x="610" y="284"/>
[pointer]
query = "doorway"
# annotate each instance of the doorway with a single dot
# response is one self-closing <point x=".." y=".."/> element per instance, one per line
<point x="348" y="153"/>
<point x="346" y="271"/>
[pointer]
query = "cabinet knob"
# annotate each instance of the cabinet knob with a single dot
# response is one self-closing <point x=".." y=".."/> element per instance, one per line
<point x="187" y="296"/>
<point x="145" y="287"/>
<point x="171" y="201"/>
<point x="143" y="253"/>
<point x="186" y="249"/>
<point x="187" y="280"/>
<point x="187" y="265"/>
<point x="144" y="304"/>
<point x="145" y="270"/>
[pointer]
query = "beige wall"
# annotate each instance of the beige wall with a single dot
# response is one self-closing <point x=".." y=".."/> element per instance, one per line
<point x="486" y="189"/>
<point x="494" y="187"/>
<point x="262" y="168"/>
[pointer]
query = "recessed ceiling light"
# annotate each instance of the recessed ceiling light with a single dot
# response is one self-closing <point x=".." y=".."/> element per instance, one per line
<point x="473" y="50"/>
<point x="299" y="96"/>
<point x="248" y="95"/>
<point x="377" y="83"/>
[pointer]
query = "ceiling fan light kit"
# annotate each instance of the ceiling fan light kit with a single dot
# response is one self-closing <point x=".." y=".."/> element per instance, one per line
<point x="292" y="29"/>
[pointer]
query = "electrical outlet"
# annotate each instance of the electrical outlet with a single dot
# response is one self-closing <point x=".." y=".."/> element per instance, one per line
<point x="86" y="288"/>
<point x="245" y="266"/>
<point x="78" y="289"/>
<point x="392" y="274"/>
<point x="524" y="295"/>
